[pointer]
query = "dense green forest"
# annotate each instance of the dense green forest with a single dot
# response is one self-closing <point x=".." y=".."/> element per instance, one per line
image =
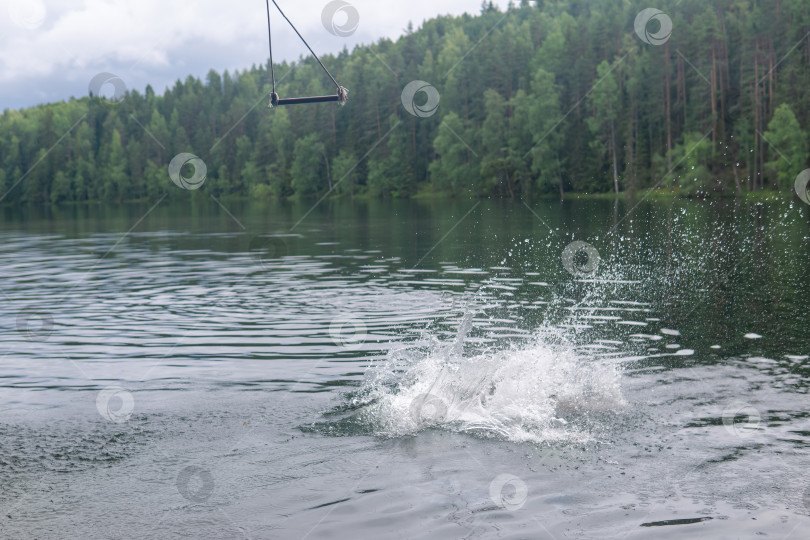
<point x="548" y="97"/>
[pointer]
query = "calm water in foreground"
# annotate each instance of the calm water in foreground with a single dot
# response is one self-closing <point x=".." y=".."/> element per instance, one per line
<point x="405" y="370"/>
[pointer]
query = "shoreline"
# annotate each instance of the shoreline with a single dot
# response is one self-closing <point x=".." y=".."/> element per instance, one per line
<point x="766" y="195"/>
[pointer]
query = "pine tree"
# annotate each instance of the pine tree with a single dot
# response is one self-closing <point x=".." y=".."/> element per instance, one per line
<point x="788" y="148"/>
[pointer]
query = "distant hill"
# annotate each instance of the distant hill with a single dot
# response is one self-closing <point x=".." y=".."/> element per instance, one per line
<point x="569" y="95"/>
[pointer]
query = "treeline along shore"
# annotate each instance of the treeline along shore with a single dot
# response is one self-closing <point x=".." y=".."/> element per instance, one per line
<point x="700" y="98"/>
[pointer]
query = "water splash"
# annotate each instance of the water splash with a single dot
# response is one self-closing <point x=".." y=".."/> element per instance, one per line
<point x="547" y="390"/>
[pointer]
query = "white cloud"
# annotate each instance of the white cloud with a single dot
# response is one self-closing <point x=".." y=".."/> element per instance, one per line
<point x="50" y="49"/>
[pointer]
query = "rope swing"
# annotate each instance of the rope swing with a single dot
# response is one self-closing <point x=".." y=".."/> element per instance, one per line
<point x="342" y="95"/>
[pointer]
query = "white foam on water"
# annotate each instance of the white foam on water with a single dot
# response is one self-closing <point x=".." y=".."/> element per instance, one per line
<point x="538" y="392"/>
<point x="652" y="337"/>
<point x="762" y="360"/>
<point x="752" y="336"/>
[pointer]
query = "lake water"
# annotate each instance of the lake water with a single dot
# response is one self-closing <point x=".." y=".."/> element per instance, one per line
<point x="405" y="370"/>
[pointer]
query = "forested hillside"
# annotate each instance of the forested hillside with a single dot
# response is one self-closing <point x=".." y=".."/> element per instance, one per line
<point x="549" y="96"/>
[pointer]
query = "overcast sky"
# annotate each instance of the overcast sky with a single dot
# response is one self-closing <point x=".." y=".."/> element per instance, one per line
<point x="51" y="49"/>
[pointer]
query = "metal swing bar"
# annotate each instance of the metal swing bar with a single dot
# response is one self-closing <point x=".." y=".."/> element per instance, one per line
<point x="299" y="100"/>
<point x="342" y="95"/>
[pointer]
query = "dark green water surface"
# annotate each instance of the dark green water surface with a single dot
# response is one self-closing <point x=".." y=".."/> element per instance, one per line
<point x="403" y="369"/>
